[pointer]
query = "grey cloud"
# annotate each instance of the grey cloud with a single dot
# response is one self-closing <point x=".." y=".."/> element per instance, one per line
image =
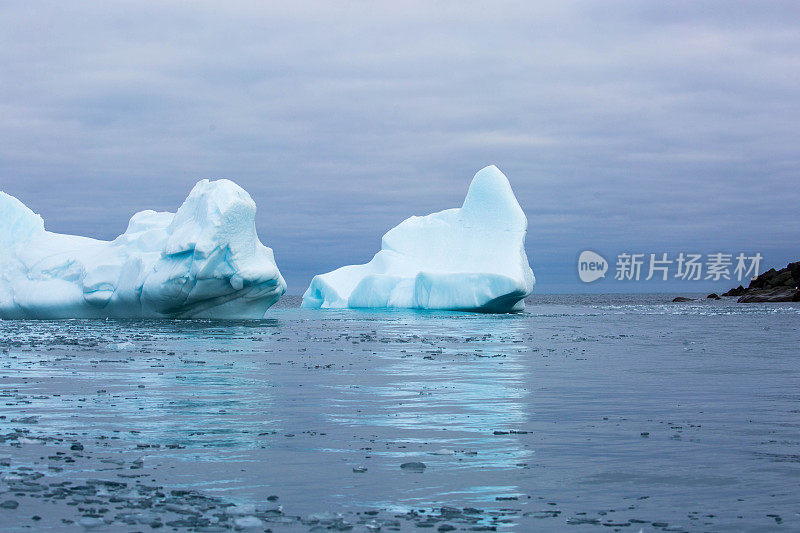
<point x="660" y="126"/>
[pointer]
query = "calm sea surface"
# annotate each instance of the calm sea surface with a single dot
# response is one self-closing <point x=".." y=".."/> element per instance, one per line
<point x="583" y="412"/>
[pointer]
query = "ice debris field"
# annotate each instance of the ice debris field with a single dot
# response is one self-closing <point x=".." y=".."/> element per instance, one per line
<point x="206" y="261"/>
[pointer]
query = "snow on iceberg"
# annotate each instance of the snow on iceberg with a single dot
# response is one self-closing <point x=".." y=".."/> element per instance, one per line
<point x="204" y="261"/>
<point x="469" y="258"/>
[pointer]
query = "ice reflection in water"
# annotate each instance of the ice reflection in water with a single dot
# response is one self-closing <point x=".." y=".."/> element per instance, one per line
<point x="479" y="394"/>
<point x="444" y="390"/>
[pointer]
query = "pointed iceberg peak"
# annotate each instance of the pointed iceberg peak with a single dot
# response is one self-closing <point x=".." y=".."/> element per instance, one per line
<point x="469" y="258"/>
<point x="491" y="201"/>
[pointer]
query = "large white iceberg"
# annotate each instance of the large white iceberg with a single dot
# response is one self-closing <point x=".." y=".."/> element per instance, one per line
<point x="469" y="258"/>
<point x="205" y="261"/>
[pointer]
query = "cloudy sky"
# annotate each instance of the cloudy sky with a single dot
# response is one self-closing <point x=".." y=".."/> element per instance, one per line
<point x="623" y="127"/>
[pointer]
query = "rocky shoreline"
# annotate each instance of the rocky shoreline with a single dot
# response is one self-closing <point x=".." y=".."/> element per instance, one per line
<point x="771" y="286"/>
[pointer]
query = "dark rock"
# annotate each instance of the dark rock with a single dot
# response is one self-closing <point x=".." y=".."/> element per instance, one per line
<point x="683" y="299"/>
<point x="714" y="296"/>
<point x="76" y="447"/>
<point x="413" y="466"/>
<point x="9" y="504"/>
<point x="775" y="295"/>
<point x="771" y="286"/>
<point x="738" y="291"/>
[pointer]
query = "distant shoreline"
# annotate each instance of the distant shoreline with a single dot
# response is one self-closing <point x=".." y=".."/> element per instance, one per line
<point x="771" y="286"/>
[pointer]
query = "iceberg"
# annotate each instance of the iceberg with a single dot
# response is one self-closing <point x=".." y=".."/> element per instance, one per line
<point x="470" y="258"/>
<point x="204" y="261"/>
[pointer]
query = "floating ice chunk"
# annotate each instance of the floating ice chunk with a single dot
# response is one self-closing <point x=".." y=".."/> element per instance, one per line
<point x="249" y="522"/>
<point x="205" y="261"/>
<point x="414" y="466"/>
<point x="90" y="522"/>
<point x="120" y="346"/>
<point x="241" y="509"/>
<point x="468" y="258"/>
<point x="444" y="451"/>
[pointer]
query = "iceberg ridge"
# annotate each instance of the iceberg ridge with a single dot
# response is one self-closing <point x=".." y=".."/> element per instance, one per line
<point x="204" y="261"/>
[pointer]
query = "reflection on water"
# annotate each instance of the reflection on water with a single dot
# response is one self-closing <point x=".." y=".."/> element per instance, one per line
<point x="416" y="386"/>
<point x="416" y="394"/>
<point x="573" y="407"/>
<point x="440" y="411"/>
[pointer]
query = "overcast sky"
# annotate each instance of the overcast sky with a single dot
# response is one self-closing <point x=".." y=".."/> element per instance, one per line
<point x="622" y="126"/>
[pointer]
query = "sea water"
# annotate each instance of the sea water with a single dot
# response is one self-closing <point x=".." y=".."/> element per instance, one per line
<point x="623" y="411"/>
